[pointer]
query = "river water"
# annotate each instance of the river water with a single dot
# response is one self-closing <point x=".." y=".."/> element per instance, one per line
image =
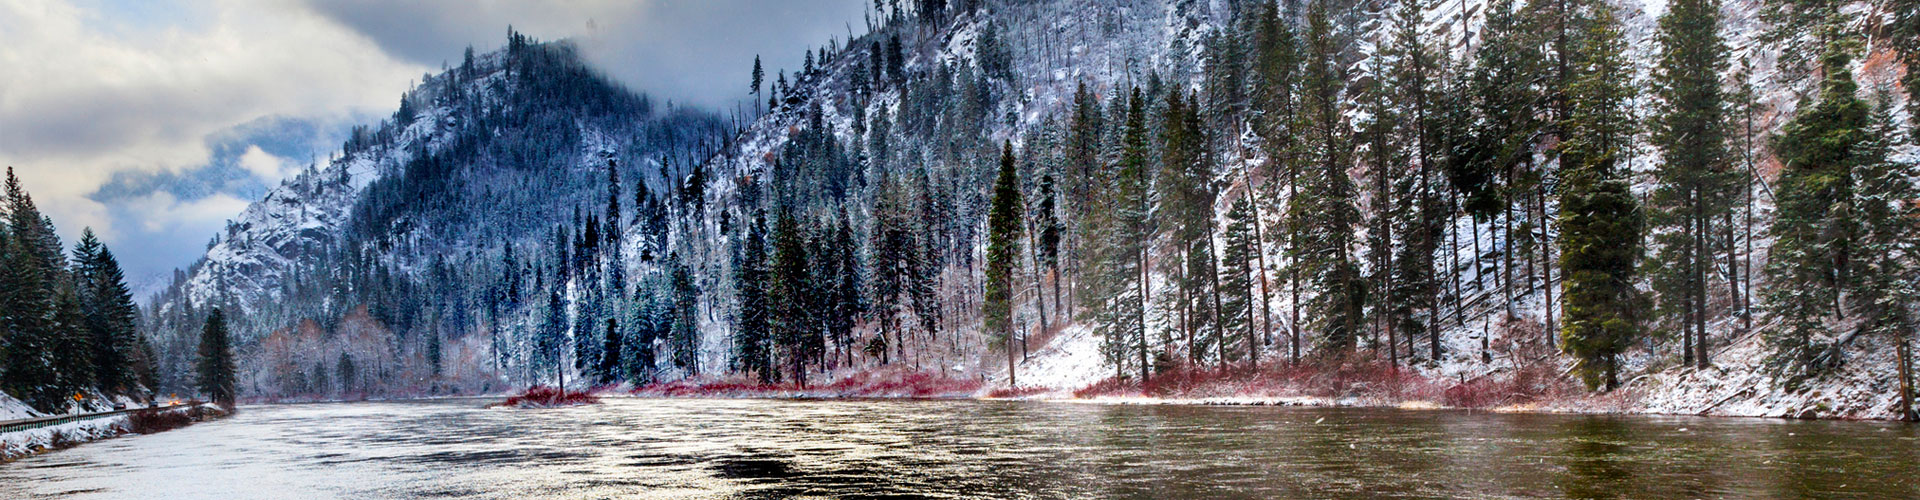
<point x="645" y="448"/>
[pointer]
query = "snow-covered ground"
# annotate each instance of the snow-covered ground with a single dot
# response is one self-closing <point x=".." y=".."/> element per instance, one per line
<point x="20" y="443"/>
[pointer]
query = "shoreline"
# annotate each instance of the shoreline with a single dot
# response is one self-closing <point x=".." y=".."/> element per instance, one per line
<point x="1547" y="407"/>
<point x="27" y="443"/>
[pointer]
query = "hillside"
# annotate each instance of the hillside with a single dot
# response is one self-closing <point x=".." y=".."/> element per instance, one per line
<point x="1347" y="201"/>
<point x="381" y="267"/>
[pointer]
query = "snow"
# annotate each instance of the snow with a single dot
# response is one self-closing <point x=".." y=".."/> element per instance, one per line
<point x="13" y="409"/>
<point x="15" y="444"/>
<point x="1070" y="361"/>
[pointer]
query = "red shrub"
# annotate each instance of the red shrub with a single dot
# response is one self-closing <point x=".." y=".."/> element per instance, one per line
<point x="541" y="396"/>
<point x="1016" y="392"/>
<point x="1527" y="384"/>
<point x="151" y="421"/>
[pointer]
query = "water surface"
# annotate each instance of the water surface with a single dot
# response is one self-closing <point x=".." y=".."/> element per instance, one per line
<point x="642" y="448"/>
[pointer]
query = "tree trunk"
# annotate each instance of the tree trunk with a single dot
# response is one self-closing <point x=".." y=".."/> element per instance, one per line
<point x="1012" y="381"/>
<point x="1546" y="263"/>
<point x="1213" y="275"/>
<point x="1145" y="294"/>
<point x="1906" y="379"/>
<point x="1701" y="260"/>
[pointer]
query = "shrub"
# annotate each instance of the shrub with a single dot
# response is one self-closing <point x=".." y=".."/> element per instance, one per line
<point x="151" y="421"/>
<point x="541" y="396"/>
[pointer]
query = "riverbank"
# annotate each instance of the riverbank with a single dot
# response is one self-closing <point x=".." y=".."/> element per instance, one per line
<point x="19" y="444"/>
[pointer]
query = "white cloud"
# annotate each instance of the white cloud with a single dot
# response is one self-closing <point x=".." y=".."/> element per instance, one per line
<point x="165" y="213"/>
<point x="697" y="51"/>
<point x="269" y="168"/>
<point x="90" y="92"/>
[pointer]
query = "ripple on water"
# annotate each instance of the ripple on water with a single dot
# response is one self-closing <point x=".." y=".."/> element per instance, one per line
<point x="775" y="449"/>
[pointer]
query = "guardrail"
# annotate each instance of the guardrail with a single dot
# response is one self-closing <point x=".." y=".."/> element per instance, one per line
<point x="36" y="423"/>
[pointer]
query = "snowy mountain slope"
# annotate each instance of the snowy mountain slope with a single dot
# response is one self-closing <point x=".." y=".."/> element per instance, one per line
<point x="1108" y="45"/>
<point x="411" y="220"/>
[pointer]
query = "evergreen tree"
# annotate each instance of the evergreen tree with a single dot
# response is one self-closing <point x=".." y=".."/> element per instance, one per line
<point x="1814" y="228"/>
<point x="112" y="316"/>
<point x="1003" y="255"/>
<point x="1128" y="236"/>
<point x="1693" y="200"/>
<point x="1326" y="242"/>
<point x="27" y="303"/>
<point x="1237" y="275"/>
<point x="72" y="354"/>
<point x="752" y="323"/>
<point x="1493" y="169"/>
<point x="1599" y="217"/>
<point x="842" y="286"/>
<point x="791" y="321"/>
<point x="684" y="332"/>
<point x="1421" y="216"/>
<point x="215" y="366"/>
<point x="610" y="353"/>
<point x="1890" y="226"/>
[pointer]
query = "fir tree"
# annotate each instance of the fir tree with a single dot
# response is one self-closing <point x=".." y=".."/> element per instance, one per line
<point x="1888" y="203"/>
<point x="1238" y="272"/>
<point x="1693" y="200"/>
<point x="1599" y="217"/>
<point x="787" y="296"/>
<point x="1814" y="227"/>
<point x="1003" y="255"/>
<point x="1328" y="210"/>
<point x="72" y="353"/>
<point x="751" y="323"/>
<point x="215" y="366"/>
<point x="1421" y="217"/>
<point x="684" y="332"/>
<point x="27" y="303"/>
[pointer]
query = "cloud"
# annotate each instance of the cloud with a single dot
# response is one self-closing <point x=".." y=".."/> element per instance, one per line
<point x="92" y="91"/>
<point x="698" y="52"/>
<point x="266" y="166"/>
<point x="149" y="120"/>
<point x="163" y="212"/>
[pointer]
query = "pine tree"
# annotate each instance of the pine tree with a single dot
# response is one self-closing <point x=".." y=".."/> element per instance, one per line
<point x="1116" y="241"/>
<point x="1047" y="224"/>
<point x="1183" y="200"/>
<point x="1327" y="208"/>
<point x="72" y="353"/>
<point x="1493" y="167"/>
<point x="610" y="353"/>
<point x="1237" y="275"/>
<point x="109" y="313"/>
<point x="787" y="296"/>
<point x="752" y="322"/>
<point x="1693" y="200"/>
<point x="1384" y="160"/>
<point x="550" y="340"/>
<point x="1814" y="227"/>
<point x="1421" y="218"/>
<point x="27" y="303"/>
<point x="1890" y="225"/>
<point x="215" y="366"/>
<point x="1003" y="256"/>
<point x="845" y="303"/>
<point x="1599" y="217"/>
<point x="684" y="330"/>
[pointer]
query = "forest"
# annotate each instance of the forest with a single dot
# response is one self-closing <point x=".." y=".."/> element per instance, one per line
<point x="1272" y="185"/>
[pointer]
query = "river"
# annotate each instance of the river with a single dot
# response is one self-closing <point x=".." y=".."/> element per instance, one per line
<point x="685" y="448"/>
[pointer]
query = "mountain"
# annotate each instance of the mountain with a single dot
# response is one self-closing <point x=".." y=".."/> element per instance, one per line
<point x="399" y="230"/>
<point x="1214" y="188"/>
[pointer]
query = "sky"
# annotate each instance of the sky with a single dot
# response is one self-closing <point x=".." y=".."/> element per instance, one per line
<point x="153" y="122"/>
